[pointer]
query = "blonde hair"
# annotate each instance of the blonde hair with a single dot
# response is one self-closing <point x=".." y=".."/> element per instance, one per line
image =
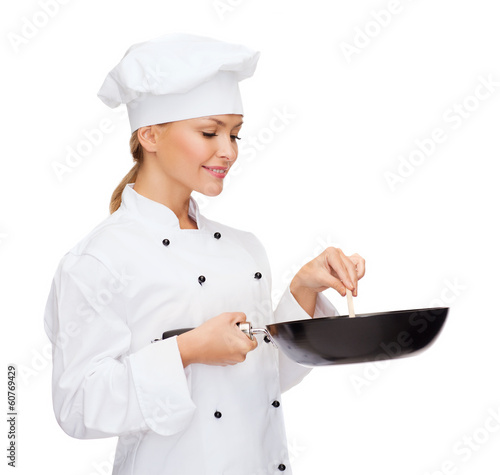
<point x="138" y="155"/>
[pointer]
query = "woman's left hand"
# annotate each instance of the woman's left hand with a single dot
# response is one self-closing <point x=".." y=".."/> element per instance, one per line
<point x="332" y="268"/>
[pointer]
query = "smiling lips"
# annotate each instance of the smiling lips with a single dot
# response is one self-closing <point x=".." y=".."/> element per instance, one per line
<point x="219" y="172"/>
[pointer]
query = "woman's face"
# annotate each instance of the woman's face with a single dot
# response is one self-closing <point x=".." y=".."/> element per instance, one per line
<point x="196" y="154"/>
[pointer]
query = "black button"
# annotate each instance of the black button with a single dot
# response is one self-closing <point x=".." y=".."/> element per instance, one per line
<point x="258" y="275"/>
<point x="281" y="467"/>
<point x="217" y="235"/>
<point x="276" y="403"/>
<point x="217" y="414"/>
<point x="201" y="279"/>
<point x="267" y="339"/>
<point x="166" y="242"/>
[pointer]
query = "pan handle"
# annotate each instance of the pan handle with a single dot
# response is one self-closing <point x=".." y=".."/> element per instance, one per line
<point x="267" y="336"/>
<point x="177" y="332"/>
<point x="245" y="327"/>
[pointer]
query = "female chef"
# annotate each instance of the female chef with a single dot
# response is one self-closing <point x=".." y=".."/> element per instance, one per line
<point x="207" y="401"/>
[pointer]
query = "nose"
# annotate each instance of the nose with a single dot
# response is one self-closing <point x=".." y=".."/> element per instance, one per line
<point x="228" y="150"/>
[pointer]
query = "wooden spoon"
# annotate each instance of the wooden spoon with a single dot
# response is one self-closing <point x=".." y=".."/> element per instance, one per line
<point x="350" y="303"/>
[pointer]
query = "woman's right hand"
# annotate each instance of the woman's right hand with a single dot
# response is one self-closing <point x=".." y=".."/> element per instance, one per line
<point x="218" y="341"/>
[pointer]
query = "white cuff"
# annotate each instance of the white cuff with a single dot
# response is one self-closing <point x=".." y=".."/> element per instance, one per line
<point x="162" y="387"/>
<point x="324" y="308"/>
<point x="289" y="309"/>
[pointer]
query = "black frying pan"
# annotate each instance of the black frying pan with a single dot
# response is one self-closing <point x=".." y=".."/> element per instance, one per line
<point x="341" y="340"/>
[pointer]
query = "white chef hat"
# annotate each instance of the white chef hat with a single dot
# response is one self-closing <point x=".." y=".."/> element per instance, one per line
<point x="178" y="76"/>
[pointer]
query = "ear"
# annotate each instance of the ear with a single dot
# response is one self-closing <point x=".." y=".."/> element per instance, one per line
<point x="147" y="137"/>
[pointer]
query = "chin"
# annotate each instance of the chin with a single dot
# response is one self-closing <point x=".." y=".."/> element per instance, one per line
<point x="211" y="189"/>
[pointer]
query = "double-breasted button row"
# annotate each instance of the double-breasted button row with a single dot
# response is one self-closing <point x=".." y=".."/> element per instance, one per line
<point x="281" y="466"/>
<point x="166" y="241"/>
<point x="202" y="278"/>
<point x="218" y="414"/>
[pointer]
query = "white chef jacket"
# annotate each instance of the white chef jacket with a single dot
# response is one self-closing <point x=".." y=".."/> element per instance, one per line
<point x="134" y="276"/>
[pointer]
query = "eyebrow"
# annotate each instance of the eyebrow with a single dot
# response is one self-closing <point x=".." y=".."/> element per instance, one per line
<point x="220" y="122"/>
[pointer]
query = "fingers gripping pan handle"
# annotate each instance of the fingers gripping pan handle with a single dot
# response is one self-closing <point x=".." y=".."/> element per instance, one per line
<point x="245" y="327"/>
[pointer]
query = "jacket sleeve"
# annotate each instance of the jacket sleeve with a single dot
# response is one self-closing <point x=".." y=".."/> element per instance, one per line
<point x="100" y="388"/>
<point x="288" y="309"/>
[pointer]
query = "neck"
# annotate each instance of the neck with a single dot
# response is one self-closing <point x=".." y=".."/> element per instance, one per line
<point x="153" y="184"/>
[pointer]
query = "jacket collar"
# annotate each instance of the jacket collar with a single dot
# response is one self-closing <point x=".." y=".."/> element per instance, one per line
<point x="156" y="212"/>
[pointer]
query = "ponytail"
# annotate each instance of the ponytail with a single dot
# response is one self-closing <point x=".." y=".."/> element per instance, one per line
<point x="130" y="177"/>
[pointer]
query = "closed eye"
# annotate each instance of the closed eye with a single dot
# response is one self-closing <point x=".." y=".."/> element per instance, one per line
<point x="206" y="134"/>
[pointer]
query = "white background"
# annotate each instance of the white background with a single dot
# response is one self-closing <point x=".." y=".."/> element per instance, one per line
<point x="319" y="181"/>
